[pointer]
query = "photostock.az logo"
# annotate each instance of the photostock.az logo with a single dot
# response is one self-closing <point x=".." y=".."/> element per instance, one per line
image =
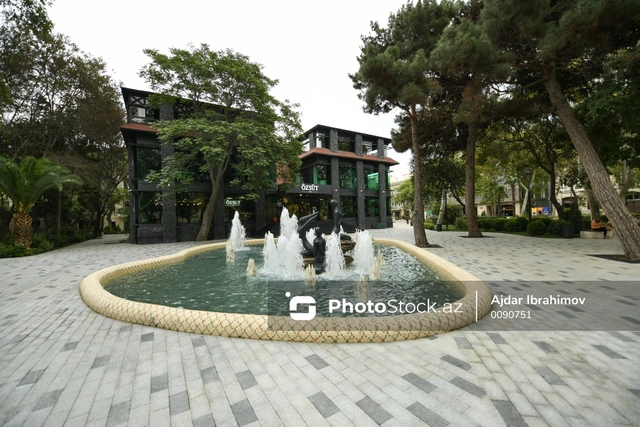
<point x="293" y="307"/>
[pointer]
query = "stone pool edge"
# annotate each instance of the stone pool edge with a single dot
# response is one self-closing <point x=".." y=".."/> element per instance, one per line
<point x="283" y="328"/>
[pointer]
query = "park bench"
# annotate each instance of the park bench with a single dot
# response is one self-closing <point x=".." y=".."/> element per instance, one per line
<point x="590" y="234"/>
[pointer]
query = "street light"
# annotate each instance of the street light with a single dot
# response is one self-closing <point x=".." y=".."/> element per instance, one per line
<point x="527" y="176"/>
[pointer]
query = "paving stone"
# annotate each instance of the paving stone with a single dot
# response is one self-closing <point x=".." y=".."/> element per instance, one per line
<point x="509" y="414"/>
<point x="373" y="410"/>
<point x="456" y="362"/>
<point x="323" y="404"/>
<point x="209" y="374"/>
<point x="317" y="361"/>
<point x="549" y="375"/>
<point x="159" y="383"/>
<point x="204" y="421"/>
<point x="179" y="403"/>
<point x="469" y="387"/>
<point x="426" y="415"/>
<point x="48" y="399"/>
<point x="118" y="413"/>
<point x="419" y="382"/>
<point x="31" y="377"/>
<point x="243" y="412"/>
<point x="246" y="379"/>
<point x="606" y="350"/>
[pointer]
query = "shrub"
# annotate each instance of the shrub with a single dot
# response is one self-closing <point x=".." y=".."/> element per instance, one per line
<point x="499" y="224"/>
<point x="586" y="222"/>
<point x="11" y="251"/>
<point x="574" y="217"/>
<point x="555" y="227"/>
<point x="512" y="225"/>
<point x="429" y="226"/>
<point x="523" y="221"/>
<point x="536" y="228"/>
<point x="461" y="223"/>
<point x="486" y="223"/>
<point x="545" y="220"/>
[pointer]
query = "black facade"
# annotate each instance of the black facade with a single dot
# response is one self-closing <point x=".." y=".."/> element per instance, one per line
<point x="336" y="164"/>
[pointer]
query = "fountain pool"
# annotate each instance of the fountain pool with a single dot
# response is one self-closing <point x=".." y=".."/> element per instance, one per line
<point x="472" y="302"/>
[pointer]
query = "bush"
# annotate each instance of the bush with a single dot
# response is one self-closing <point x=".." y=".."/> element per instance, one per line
<point x="486" y="223"/>
<point x="586" y="222"/>
<point x="499" y="224"/>
<point x="537" y="228"/>
<point x="523" y="221"/>
<point x="574" y="216"/>
<point x="429" y="226"/>
<point x="555" y="227"/>
<point x="545" y="220"/>
<point x="512" y="225"/>
<point x="461" y="223"/>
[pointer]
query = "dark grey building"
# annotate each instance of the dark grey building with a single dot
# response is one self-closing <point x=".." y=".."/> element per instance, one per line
<point x="349" y="166"/>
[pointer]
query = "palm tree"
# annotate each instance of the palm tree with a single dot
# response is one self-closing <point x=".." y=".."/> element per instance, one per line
<point x="25" y="184"/>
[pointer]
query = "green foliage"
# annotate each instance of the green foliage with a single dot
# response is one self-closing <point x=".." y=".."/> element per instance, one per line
<point x="555" y="227"/>
<point x="461" y="223"/>
<point x="574" y="216"/>
<point x="486" y="222"/>
<point x="537" y="228"/>
<point x="545" y="220"/>
<point x="513" y="225"/>
<point x="523" y="221"/>
<point x="25" y="183"/>
<point x="499" y="224"/>
<point x="429" y="226"/>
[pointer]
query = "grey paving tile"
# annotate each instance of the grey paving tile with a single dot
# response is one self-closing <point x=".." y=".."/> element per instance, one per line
<point x="48" y="399"/>
<point x="462" y="342"/>
<point x="606" y="350"/>
<point x="118" y="413"/>
<point x="427" y="416"/>
<point x="635" y="391"/>
<point x="323" y="404"/>
<point x="246" y="379"/>
<point x="198" y="342"/>
<point x="147" y="337"/>
<point x="496" y="338"/>
<point x="546" y="347"/>
<point x="209" y="375"/>
<point x="549" y="375"/>
<point x="317" y="361"/>
<point x="31" y="377"/>
<point x="100" y="361"/>
<point x="243" y="412"/>
<point x="178" y="403"/>
<point x="469" y="387"/>
<point x="376" y="412"/>
<point x="70" y="346"/>
<point x="419" y="382"/>
<point x="456" y="362"/>
<point x="509" y="414"/>
<point x="204" y="421"/>
<point x="159" y="383"/>
<point x="621" y="337"/>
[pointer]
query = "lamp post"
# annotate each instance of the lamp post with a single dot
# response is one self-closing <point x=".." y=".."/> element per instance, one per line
<point x="527" y="175"/>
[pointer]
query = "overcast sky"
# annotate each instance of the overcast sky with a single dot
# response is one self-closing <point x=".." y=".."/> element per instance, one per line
<point x="309" y="46"/>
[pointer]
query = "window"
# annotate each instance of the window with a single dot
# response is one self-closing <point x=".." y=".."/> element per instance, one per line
<point x="347" y="177"/>
<point x="323" y="174"/>
<point x="190" y="207"/>
<point x="150" y="208"/>
<point x="371" y="178"/>
<point x="371" y="206"/>
<point x="148" y="159"/>
<point x="349" y="206"/>
<point x="345" y="144"/>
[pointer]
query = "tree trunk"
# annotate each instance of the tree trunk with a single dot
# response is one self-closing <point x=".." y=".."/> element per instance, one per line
<point x="616" y="211"/>
<point x="22" y="229"/>
<point x="628" y="176"/>
<point x="470" y="180"/>
<point x="443" y="206"/>
<point x="552" y="196"/>
<point x="59" y="225"/>
<point x="594" y="205"/>
<point x="207" y="216"/>
<point x="418" y="207"/>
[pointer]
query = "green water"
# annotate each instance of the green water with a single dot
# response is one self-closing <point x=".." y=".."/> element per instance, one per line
<point x="208" y="282"/>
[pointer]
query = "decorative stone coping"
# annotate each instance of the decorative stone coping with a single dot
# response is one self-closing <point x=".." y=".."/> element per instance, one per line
<point x="283" y="328"/>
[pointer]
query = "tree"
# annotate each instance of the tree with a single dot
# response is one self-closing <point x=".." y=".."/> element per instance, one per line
<point x="562" y="43"/>
<point x="24" y="184"/>
<point x="392" y="75"/>
<point x="233" y="124"/>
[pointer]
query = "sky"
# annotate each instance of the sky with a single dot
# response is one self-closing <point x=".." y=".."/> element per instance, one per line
<point x="310" y="46"/>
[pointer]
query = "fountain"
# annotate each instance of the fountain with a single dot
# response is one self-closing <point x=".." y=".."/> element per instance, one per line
<point x="193" y="291"/>
<point x="238" y="233"/>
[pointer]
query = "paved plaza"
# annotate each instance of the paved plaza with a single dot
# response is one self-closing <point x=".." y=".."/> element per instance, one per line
<point x="63" y="364"/>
